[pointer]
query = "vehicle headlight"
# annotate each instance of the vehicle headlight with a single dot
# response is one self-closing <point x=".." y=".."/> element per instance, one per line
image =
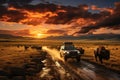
<point x="78" y="52"/>
<point x="66" y="52"/>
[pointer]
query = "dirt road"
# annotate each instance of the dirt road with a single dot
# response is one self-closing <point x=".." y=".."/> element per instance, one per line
<point x="57" y="69"/>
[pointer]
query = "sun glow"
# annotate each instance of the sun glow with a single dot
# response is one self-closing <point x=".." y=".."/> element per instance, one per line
<point x="39" y="35"/>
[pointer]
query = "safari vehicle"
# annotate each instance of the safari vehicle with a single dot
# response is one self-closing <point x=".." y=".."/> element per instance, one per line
<point x="68" y="50"/>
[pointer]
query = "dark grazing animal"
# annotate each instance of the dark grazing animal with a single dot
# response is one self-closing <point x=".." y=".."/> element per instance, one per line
<point x="102" y="53"/>
<point x="26" y="47"/>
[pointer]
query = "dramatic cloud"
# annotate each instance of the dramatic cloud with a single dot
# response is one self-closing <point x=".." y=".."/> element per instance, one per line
<point x="111" y="21"/>
<point x="59" y="32"/>
<point x="47" y="13"/>
<point x="49" y="18"/>
<point x="94" y="7"/>
<point x="69" y="14"/>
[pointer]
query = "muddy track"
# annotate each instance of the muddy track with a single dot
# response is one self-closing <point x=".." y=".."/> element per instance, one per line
<point x="89" y="71"/>
<point x="57" y="69"/>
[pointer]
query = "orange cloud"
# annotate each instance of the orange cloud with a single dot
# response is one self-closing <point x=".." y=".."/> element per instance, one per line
<point x="56" y="32"/>
<point x="31" y="17"/>
<point x="12" y="8"/>
<point x="36" y="18"/>
<point x="44" y="13"/>
<point x="106" y="31"/>
<point x="94" y="7"/>
<point x="5" y="18"/>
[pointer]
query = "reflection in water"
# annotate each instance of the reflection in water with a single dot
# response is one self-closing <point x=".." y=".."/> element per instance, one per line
<point x="89" y="73"/>
<point x="45" y="72"/>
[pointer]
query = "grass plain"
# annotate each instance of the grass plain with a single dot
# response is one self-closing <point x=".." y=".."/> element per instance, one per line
<point x="10" y="54"/>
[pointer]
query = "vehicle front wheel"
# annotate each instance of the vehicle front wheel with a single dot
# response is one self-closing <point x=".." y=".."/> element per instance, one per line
<point x="78" y="59"/>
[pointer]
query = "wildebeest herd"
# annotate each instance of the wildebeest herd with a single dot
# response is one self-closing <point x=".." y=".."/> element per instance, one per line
<point x="26" y="47"/>
<point x="100" y="53"/>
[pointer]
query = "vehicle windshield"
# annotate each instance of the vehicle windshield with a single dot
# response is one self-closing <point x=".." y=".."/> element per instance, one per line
<point x="70" y="47"/>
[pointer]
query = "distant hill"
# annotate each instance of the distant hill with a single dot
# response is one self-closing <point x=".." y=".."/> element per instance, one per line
<point x="89" y="37"/>
<point x="101" y="37"/>
<point x="8" y="36"/>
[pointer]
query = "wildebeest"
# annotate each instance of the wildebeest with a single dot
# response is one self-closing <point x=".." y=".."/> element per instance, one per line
<point x="37" y="47"/>
<point x="26" y="47"/>
<point x="102" y="53"/>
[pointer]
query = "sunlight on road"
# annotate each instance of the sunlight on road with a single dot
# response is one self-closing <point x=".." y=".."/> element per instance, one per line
<point x="53" y="52"/>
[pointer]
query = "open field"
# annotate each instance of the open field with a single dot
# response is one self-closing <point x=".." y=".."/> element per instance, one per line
<point x="18" y="63"/>
<point x="13" y="53"/>
<point x="89" y="46"/>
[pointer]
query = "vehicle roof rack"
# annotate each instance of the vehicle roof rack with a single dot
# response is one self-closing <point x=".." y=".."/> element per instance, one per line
<point x="68" y="43"/>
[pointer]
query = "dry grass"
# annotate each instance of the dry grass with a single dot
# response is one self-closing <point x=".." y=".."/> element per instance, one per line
<point x="14" y="56"/>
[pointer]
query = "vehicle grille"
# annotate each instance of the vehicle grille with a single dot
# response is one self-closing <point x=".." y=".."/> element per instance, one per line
<point x="73" y="53"/>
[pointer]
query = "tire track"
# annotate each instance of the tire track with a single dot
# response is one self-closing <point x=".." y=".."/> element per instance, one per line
<point x="76" y="71"/>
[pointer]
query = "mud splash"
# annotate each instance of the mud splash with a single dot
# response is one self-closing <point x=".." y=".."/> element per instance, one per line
<point x="61" y="67"/>
<point x="54" y="53"/>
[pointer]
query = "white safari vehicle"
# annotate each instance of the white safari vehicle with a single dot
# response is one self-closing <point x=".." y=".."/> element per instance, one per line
<point x="68" y="50"/>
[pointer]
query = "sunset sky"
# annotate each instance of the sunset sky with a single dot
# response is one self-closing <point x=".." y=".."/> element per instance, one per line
<point x="44" y="18"/>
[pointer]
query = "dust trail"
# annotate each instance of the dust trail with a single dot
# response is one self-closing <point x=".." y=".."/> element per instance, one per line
<point x="53" y="52"/>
